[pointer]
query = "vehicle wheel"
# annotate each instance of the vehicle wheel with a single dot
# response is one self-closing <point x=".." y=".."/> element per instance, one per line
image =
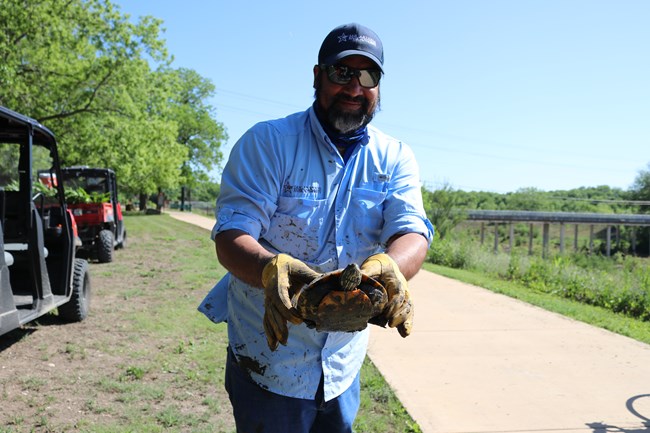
<point x="76" y="309"/>
<point x="105" y="246"/>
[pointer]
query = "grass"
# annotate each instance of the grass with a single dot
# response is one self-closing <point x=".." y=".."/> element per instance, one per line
<point x="178" y="386"/>
<point x="198" y="360"/>
<point x="147" y="361"/>
<point x="596" y="316"/>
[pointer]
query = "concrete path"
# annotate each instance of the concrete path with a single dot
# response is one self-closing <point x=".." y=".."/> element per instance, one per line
<point x="482" y="362"/>
<point x="479" y="362"/>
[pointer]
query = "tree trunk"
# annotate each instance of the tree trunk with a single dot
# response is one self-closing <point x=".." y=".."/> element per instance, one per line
<point x="143" y="201"/>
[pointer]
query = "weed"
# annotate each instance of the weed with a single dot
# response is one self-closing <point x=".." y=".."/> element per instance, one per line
<point x="620" y="284"/>
<point x="33" y="383"/>
<point x="134" y="373"/>
<point x="169" y="417"/>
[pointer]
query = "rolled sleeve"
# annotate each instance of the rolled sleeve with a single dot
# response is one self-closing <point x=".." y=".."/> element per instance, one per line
<point x="229" y="219"/>
<point x="408" y="223"/>
<point x="249" y="184"/>
<point x="403" y="209"/>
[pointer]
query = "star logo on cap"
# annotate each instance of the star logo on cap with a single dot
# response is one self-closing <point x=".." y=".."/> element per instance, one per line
<point x="343" y="37"/>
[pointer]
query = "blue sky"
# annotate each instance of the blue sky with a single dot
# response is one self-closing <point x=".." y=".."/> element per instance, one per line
<point x="492" y="95"/>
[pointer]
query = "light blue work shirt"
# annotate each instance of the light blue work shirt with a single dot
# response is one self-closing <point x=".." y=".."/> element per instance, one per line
<point x="286" y="185"/>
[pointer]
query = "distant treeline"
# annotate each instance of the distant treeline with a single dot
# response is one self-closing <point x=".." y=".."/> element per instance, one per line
<point x="442" y="205"/>
<point x="600" y="199"/>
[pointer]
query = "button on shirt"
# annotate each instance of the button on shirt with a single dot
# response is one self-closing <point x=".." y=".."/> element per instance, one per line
<point x="286" y="185"/>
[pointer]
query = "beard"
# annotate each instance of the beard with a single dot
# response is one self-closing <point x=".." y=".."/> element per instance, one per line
<point x="345" y="121"/>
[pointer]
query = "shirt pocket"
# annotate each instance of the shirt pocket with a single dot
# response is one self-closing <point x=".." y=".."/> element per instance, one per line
<point x="294" y="228"/>
<point x="367" y="213"/>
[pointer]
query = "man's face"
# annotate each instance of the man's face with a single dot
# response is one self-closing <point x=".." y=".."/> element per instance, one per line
<point x="347" y="107"/>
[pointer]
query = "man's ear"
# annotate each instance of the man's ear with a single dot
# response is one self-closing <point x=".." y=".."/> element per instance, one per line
<point x="317" y="72"/>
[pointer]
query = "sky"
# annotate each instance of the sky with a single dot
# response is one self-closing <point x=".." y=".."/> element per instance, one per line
<point x="491" y="95"/>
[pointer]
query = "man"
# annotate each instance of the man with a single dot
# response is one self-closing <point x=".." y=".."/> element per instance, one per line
<point x="300" y="196"/>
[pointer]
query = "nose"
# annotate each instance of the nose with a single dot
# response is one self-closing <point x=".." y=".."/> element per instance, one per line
<point x="354" y="87"/>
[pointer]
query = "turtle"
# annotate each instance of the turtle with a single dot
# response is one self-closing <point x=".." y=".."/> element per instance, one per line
<point x="342" y="300"/>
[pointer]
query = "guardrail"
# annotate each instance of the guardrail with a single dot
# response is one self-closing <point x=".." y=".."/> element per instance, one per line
<point x="558" y="217"/>
<point x="546" y="218"/>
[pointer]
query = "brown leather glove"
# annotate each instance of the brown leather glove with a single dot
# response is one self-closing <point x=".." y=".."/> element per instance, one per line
<point x="399" y="310"/>
<point x="281" y="278"/>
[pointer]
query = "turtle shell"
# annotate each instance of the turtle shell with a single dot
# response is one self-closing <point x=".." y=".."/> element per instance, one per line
<point x="342" y="300"/>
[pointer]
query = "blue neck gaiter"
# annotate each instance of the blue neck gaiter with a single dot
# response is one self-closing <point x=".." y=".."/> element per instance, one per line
<point x="348" y="141"/>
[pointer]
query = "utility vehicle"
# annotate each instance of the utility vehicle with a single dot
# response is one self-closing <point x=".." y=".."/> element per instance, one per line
<point x="91" y="194"/>
<point x="39" y="270"/>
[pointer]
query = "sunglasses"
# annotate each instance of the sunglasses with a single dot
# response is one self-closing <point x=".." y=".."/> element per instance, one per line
<point x="341" y="74"/>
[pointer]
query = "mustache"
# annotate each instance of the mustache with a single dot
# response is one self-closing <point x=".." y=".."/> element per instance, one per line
<point x="356" y="99"/>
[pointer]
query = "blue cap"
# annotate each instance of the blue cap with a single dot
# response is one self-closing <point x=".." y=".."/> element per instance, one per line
<point x="348" y="40"/>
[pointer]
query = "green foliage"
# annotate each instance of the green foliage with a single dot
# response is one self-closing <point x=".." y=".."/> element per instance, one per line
<point x="641" y="187"/>
<point x="14" y="185"/>
<point x="601" y="199"/>
<point x="80" y="196"/>
<point x="134" y="373"/>
<point x="103" y="83"/>
<point x="620" y="284"/>
<point x="597" y="316"/>
<point x="449" y="253"/>
<point x="197" y="130"/>
<point x="441" y="209"/>
<point x="206" y="191"/>
<point x="39" y="188"/>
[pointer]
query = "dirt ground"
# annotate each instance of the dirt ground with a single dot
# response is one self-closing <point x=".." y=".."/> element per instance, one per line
<point x="121" y="369"/>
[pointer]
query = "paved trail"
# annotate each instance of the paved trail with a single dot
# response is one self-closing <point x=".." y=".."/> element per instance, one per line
<point x="479" y="362"/>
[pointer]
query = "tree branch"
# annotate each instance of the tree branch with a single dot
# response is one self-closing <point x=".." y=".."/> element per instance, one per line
<point x="86" y="108"/>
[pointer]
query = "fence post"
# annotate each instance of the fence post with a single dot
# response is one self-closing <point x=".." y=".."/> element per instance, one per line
<point x="545" y="240"/>
<point x="511" y="236"/>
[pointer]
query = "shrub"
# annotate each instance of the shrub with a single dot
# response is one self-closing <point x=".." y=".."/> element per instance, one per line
<point x="620" y="284"/>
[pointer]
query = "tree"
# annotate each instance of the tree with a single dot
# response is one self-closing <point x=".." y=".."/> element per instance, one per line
<point x="65" y="58"/>
<point x="207" y="190"/>
<point x="528" y="199"/>
<point x="441" y="207"/>
<point x="105" y="87"/>
<point x="641" y="187"/>
<point x="197" y="130"/>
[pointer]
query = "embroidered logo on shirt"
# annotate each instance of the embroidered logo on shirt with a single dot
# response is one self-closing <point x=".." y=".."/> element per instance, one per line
<point x="291" y="190"/>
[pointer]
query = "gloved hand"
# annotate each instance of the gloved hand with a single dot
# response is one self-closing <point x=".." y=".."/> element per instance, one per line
<point x="399" y="310"/>
<point x="281" y="278"/>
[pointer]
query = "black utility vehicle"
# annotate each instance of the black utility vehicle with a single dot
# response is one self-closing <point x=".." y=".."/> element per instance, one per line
<point x="39" y="271"/>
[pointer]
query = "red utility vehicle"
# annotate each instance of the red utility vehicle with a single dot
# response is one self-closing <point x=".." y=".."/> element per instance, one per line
<point x="99" y="215"/>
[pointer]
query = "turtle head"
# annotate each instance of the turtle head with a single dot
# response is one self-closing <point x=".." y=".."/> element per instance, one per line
<point x="351" y="277"/>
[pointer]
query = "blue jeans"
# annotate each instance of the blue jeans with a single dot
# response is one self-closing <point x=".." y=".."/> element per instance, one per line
<point x="257" y="410"/>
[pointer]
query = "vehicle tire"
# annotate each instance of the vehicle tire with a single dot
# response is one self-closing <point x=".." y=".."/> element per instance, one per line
<point x="105" y="246"/>
<point x="76" y="309"/>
